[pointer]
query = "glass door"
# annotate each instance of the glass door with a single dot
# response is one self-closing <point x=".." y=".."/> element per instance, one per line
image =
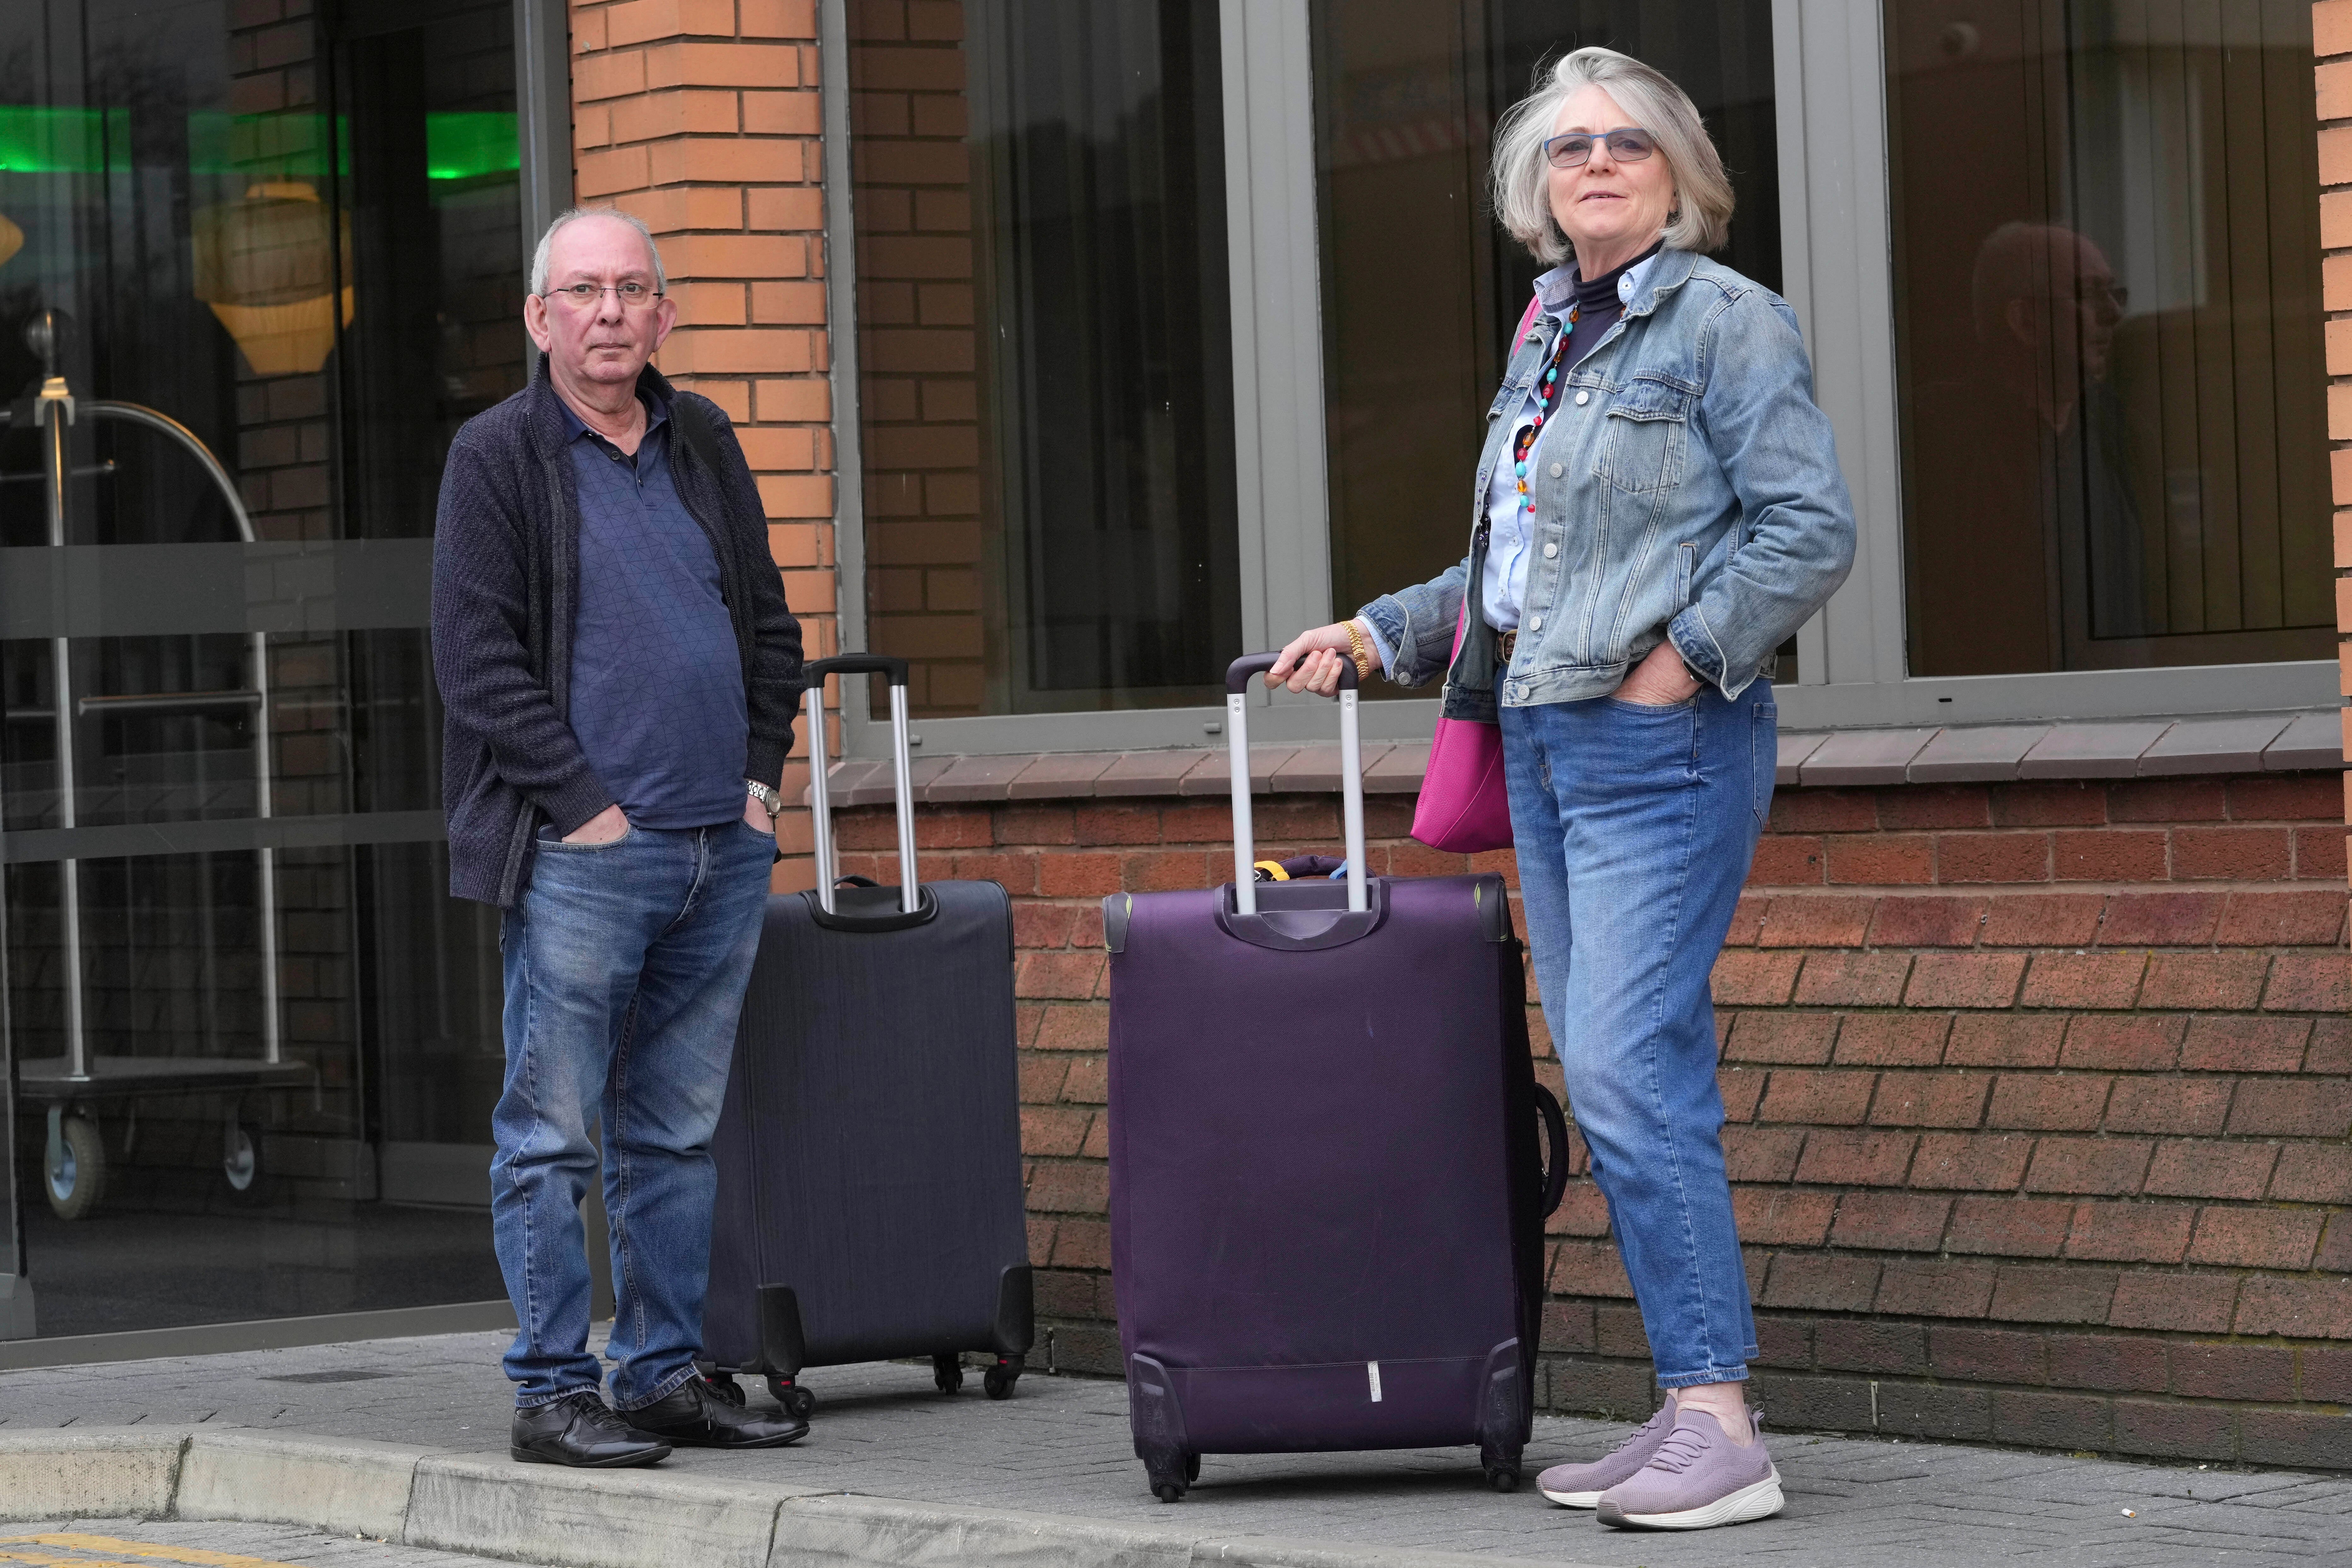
<point x="253" y="271"/>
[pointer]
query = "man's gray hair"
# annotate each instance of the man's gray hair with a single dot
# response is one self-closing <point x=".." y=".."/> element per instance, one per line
<point x="1701" y="218"/>
<point x="574" y="215"/>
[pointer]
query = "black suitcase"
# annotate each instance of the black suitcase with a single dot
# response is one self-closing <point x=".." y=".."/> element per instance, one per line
<point x="869" y="1197"/>
<point x="1326" y="1189"/>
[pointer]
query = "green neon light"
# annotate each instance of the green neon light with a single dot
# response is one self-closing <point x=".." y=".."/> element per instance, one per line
<point x="464" y="145"/>
<point x="37" y="140"/>
<point x="41" y="141"/>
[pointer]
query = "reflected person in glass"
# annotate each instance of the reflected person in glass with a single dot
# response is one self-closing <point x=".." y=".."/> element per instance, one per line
<point x="1658" y="506"/>
<point x="2029" y="461"/>
<point x="620" y="674"/>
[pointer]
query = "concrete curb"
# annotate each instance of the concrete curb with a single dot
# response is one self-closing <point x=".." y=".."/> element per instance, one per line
<point x="490" y="1507"/>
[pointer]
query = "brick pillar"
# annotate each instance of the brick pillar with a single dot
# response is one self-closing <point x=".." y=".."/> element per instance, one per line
<point x="2331" y="46"/>
<point x="702" y="118"/>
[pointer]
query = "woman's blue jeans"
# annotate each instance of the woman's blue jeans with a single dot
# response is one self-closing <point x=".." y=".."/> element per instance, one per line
<point x="1634" y="827"/>
<point x="625" y="964"/>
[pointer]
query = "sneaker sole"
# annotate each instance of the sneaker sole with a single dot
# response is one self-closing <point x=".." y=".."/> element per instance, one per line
<point x="1573" y="1500"/>
<point x="1759" y="1500"/>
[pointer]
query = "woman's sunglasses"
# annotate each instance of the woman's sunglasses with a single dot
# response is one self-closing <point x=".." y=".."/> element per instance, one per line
<point x="1626" y="145"/>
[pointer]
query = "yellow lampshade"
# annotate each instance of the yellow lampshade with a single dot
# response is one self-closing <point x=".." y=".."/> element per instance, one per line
<point x="12" y="239"/>
<point x="265" y="264"/>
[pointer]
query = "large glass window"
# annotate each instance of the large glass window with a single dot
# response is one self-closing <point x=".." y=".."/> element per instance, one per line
<point x="1420" y="287"/>
<point x="2108" y="333"/>
<point x="1046" y="349"/>
<point x="255" y="268"/>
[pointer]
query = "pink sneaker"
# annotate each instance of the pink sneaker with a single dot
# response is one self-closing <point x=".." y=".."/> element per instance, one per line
<point x="1580" y="1486"/>
<point x="1697" y="1478"/>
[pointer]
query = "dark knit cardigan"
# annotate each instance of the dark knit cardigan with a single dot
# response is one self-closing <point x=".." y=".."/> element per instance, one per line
<point x="506" y="584"/>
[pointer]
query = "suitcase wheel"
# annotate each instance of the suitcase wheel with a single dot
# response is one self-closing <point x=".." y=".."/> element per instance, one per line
<point x="947" y="1372"/>
<point x="723" y="1385"/>
<point x="1502" y="1466"/>
<point x="798" y="1402"/>
<point x="999" y="1379"/>
<point x="1167" y="1489"/>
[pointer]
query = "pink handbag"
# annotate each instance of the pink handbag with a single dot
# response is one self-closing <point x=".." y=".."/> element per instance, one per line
<point x="1464" y="806"/>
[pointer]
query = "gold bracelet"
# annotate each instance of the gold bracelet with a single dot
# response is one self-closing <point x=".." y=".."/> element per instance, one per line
<point x="1359" y="652"/>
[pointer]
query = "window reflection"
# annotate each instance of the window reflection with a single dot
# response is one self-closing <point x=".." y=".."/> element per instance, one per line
<point x="1046" y="352"/>
<point x="2108" y="333"/>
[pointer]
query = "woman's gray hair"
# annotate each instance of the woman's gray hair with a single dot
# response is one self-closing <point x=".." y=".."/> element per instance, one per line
<point x="1701" y="218"/>
<point x="574" y="215"/>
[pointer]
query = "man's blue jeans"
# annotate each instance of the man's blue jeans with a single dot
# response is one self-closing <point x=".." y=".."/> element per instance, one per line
<point x="625" y="964"/>
<point x="1634" y="828"/>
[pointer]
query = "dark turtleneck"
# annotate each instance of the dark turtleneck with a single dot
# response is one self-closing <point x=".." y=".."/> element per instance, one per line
<point x="1598" y="307"/>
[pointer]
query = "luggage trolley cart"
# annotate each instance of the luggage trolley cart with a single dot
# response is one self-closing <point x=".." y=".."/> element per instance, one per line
<point x="75" y="1085"/>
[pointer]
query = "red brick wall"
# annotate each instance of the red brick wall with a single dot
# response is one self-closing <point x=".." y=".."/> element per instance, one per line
<point x="702" y="118"/>
<point x="2039" y="1098"/>
<point x="2331" y="40"/>
<point x="919" y="348"/>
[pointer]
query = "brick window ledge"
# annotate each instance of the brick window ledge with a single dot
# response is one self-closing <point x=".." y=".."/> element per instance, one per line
<point x="2150" y="748"/>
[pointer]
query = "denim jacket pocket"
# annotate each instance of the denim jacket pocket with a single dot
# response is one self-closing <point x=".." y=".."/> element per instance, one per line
<point x="1642" y="448"/>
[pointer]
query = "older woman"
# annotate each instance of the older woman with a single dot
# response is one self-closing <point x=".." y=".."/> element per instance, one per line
<point x="1657" y="508"/>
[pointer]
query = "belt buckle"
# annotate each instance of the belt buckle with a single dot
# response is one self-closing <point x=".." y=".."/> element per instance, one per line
<point x="1508" y="641"/>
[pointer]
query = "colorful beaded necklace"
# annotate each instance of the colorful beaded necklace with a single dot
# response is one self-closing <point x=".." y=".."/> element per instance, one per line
<point x="1547" y="395"/>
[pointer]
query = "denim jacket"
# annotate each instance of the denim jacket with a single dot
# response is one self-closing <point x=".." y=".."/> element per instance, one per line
<point x="1686" y="486"/>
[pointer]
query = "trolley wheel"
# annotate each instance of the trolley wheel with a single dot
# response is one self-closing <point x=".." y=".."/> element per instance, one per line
<point x="798" y="1402"/>
<point x="1168" y="1491"/>
<point x="1191" y="1469"/>
<point x="947" y="1372"/>
<point x="723" y="1385"/>
<point x="1501" y="1463"/>
<point x="74" y="1171"/>
<point x="241" y="1160"/>
<point x="1000" y="1378"/>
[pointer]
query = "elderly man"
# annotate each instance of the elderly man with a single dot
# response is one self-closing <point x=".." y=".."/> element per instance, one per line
<point x="619" y="672"/>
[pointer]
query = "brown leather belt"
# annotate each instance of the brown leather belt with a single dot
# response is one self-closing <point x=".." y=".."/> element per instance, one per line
<point x="1504" y="644"/>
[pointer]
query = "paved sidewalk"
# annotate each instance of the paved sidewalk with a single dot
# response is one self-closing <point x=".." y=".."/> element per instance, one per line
<point x="177" y="1544"/>
<point x="1060" y="1449"/>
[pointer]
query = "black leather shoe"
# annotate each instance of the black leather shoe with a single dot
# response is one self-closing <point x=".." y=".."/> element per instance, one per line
<point x="580" y="1429"/>
<point x="695" y="1416"/>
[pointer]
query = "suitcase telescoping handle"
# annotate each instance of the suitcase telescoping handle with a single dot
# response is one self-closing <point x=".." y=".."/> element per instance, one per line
<point x="828" y="866"/>
<point x="1238" y="676"/>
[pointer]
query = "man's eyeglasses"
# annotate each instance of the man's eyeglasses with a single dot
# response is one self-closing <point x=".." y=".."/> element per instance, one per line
<point x="1627" y="144"/>
<point x="633" y="295"/>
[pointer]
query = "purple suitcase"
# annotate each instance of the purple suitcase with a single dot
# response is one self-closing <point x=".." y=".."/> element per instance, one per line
<point x="1327" y="1188"/>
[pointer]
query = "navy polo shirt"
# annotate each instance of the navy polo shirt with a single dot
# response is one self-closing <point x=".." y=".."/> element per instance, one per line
<point x="656" y="679"/>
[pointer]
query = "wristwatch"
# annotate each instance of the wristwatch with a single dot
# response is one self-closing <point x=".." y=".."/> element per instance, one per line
<point x="765" y="796"/>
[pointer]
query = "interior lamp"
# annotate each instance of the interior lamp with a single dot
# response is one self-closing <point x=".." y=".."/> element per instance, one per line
<point x="12" y="239"/>
<point x="267" y="266"/>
